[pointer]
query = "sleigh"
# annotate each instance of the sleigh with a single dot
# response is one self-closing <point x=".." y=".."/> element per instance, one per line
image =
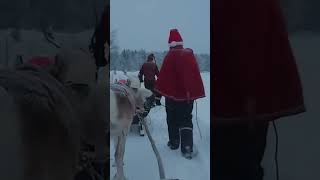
<point x="137" y="126"/>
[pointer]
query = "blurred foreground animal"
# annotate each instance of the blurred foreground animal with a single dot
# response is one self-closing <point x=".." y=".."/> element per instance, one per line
<point x="47" y="118"/>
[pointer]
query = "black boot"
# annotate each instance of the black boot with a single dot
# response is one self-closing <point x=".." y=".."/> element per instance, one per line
<point x="141" y="129"/>
<point x="188" y="152"/>
<point x="174" y="144"/>
<point x="153" y="100"/>
<point x="157" y="99"/>
<point x="186" y="142"/>
<point x="173" y="126"/>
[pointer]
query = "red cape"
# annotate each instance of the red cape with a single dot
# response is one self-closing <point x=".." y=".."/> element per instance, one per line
<point x="179" y="77"/>
<point x="253" y="61"/>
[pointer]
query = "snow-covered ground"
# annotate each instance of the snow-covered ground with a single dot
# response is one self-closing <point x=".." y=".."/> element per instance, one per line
<point x="140" y="161"/>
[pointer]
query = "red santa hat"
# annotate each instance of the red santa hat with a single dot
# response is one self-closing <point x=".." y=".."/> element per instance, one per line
<point x="174" y="38"/>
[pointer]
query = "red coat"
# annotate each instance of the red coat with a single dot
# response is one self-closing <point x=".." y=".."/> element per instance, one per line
<point x="179" y="77"/>
<point x="149" y="70"/>
<point x="253" y="61"/>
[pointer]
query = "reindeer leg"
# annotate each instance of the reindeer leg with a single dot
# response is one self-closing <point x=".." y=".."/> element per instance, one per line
<point x="122" y="148"/>
<point x="116" y="149"/>
<point x="116" y="155"/>
<point x="119" y="157"/>
<point x="115" y="144"/>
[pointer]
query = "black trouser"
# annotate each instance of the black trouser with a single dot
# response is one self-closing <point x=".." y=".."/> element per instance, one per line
<point x="179" y="121"/>
<point x="149" y="84"/>
<point x="238" y="151"/>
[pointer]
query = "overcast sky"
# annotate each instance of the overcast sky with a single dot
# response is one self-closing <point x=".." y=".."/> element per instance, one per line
<point x="146" y="23"/>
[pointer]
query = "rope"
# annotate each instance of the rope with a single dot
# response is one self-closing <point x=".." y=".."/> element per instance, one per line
<point x="154" y="148"/>
<point x="276" y="151"/>
<point x="197" y="120"/>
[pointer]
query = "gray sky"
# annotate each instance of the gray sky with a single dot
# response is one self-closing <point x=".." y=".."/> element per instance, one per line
<point x="146" y="23"/>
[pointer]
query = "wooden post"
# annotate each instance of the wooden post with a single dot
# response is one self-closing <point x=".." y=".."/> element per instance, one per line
<point x="155" y="150"/>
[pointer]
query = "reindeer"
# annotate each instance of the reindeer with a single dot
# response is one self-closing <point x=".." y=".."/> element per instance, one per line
<point x="124" y="100"/>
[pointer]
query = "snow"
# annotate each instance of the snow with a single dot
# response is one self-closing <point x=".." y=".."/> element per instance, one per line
<point x="140" y="161"/>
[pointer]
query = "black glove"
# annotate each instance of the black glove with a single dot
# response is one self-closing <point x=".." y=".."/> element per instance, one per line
<point x="147" y="106"/>
<point x="140" y="78"/>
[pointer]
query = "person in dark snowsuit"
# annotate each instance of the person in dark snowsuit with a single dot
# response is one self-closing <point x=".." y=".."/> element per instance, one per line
<point x="149" y="71"/>
<point x="180" y="83"/>
<point x="99" y="46"/>
<point x="255" y="81"/>
<point x="100" y="38"/>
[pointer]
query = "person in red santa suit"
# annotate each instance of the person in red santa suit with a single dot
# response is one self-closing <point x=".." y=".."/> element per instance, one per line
<point x="255" y="82"/>
<point x="180" y="83"/>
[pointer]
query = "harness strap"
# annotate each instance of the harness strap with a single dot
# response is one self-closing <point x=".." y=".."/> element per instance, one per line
<point x="119" y="88"/>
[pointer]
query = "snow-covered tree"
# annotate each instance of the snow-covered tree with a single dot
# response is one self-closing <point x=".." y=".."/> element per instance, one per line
<point x="132" y="60"/>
